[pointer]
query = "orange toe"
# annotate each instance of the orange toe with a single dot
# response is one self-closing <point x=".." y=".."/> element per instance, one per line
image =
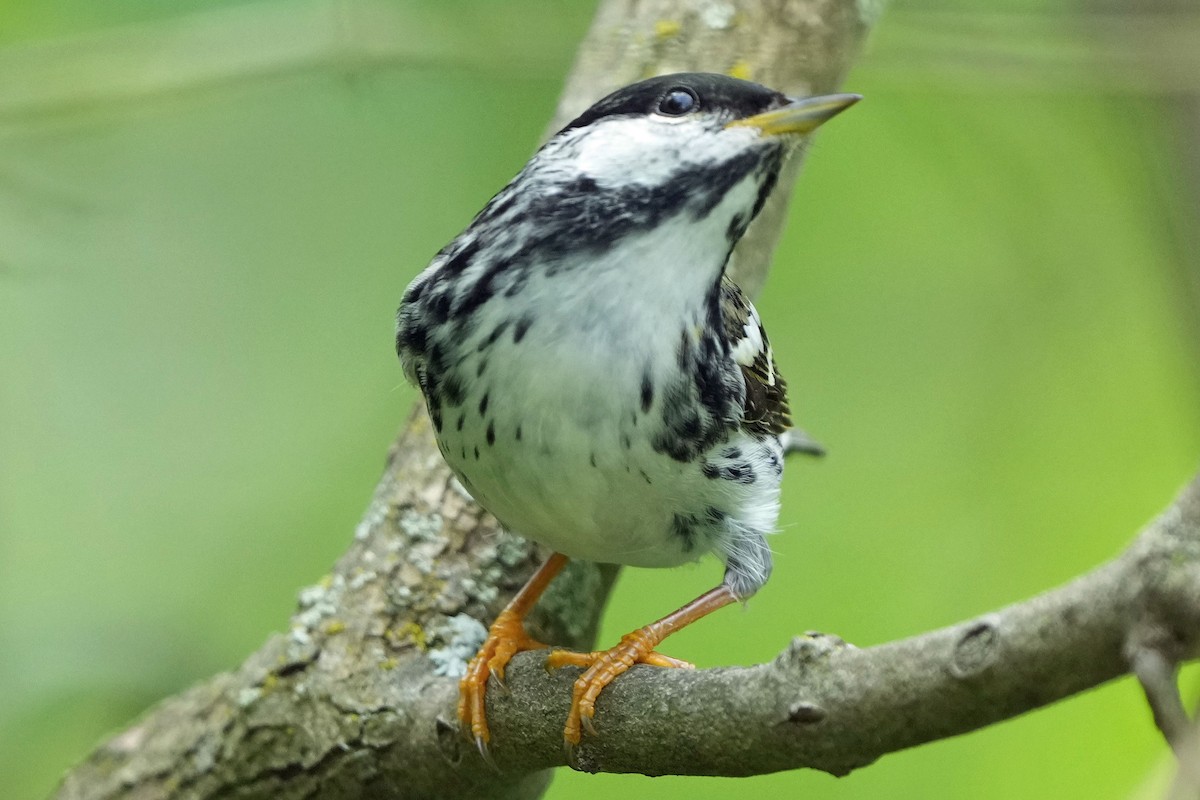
<point x="600" y="669"/>
<point x="506" y="638"/>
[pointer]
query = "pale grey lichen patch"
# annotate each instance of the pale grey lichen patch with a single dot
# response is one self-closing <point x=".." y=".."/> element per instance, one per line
<point x="300" y="648"/>
<point x="205" y="756"/>
<point x="571" y="598"/>
<point x="248" y="695"/>
<point x="420" y="527"/>
<point x="362" y="578"/>
<point x="717" y="15"/>
<point x="452" y="598"/>
<point x="460" y="636"/>
<point x="510" y="549"/>
<point x="421" y="561"/>
<point x="374" y="516"/>
<point x="318" y="602"/>
<point x="299" y="636"/>
<point x="484" y="592"/>
<point x="400" y="595"/>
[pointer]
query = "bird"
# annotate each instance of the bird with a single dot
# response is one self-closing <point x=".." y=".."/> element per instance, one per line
<point x="594" y="378"/>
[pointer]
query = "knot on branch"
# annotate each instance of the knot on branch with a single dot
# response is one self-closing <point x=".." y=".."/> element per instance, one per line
<point x="976" y="648"/>
<point x="806" y="713"/>
<point x="809" y="649"/>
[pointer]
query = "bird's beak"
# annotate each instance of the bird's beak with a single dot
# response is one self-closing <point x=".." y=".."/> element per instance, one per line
<point x="799" y="116"/>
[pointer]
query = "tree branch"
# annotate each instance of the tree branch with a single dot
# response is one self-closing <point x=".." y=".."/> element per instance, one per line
<point x="357" y="699"/>
<point x="828" y="705"/>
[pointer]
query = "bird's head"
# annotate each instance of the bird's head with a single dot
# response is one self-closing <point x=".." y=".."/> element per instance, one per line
<point x="668" y="145"/>
<point x="651" y="129"/>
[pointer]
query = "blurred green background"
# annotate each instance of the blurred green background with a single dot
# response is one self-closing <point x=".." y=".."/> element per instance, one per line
<point x="987" y="302"/>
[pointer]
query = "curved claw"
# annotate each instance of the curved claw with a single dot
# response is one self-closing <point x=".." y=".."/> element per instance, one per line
<point x="586" y="720"/>
<point x="485" y="753"/>
<point x="506" y="638"/>
<point x="498" y="676"/>
<point x="571" y="751"/>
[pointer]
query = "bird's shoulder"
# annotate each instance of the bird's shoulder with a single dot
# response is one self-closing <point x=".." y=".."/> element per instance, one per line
<point x="766" y="408"/>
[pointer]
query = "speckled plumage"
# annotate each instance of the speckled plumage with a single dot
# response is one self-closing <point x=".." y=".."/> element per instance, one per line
<point x="594" y="379"/>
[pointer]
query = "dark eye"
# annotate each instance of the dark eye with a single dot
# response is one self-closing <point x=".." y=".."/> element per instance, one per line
<point x="678" y="102"/>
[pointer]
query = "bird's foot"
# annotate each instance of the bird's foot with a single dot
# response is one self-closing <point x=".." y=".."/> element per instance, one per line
<point x="506" y="638"/>
<point x="600" y="669"/>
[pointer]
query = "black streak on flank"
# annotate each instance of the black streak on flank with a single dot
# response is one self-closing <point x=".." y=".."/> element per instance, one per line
<point x="497" y="207"/>
<point x="411" y="336"/>
<point x="683" y="526"/>
<point x="702" y="405"/>
<point x="461" y="260"/>
<point x="482" y="291"/>
<point x="452" y="389"/>
<point x="517" y="282"/>
<point x="491" y="433"/>
<point x="492" y="337"/>
<point x="646" y="477"/>
<point x="647" y="392"/>
<point x="522" y="327"/>
<point x="689" y="425"/>
<point x="592" y="459"/>
<point x="518" y="433"/>
<point x="625" y="442"/>
<point x="438" y="306"/>
<point x="462" y="418"/>
<point x="740" y="472"/>
<point x="476" y="452"/>
<point x="684" y="353"/>
<point x="483" y="404"/>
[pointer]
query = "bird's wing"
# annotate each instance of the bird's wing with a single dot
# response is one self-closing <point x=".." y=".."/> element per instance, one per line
<point x="766" y="410"/>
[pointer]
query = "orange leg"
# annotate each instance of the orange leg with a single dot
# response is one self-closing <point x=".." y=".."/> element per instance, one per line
<point x="602" y="667"/>
<point x="506" y="638"/>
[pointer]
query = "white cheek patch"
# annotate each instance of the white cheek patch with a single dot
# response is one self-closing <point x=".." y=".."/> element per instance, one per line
<point x="648" y="150"/>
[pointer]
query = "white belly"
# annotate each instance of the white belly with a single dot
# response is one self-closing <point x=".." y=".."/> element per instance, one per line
<point x="553" y="436"/>
<point x="565" y="457"/>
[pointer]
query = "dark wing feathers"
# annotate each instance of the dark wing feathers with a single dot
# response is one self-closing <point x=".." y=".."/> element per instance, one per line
<point x="767" y="410"/>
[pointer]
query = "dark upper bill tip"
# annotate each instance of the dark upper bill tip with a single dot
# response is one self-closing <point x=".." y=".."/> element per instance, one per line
<point x="800" y="116"/>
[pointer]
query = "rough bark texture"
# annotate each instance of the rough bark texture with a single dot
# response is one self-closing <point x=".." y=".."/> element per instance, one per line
<point x="825" y="704"/>
<point x="355" y="701"/>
